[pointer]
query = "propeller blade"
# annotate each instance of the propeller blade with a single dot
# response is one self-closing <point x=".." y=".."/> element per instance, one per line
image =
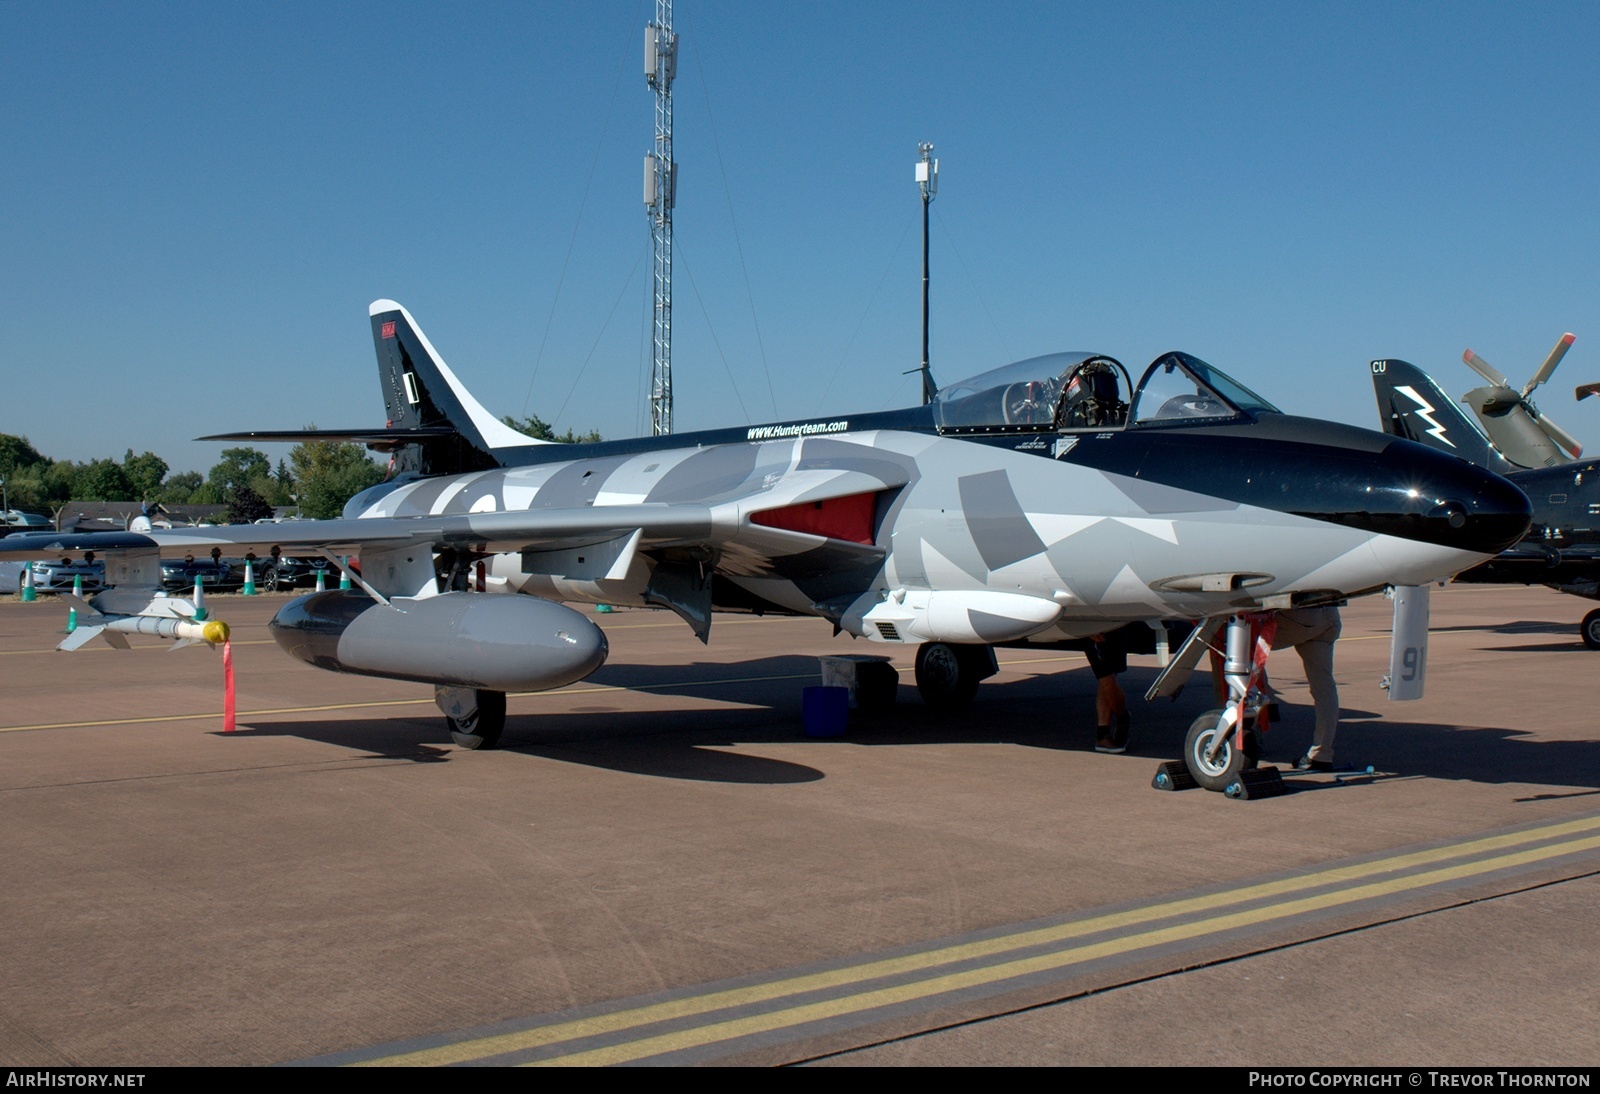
<point x="1562" y="345"/>
<point x="1485" y="369"/>
<point x="1583" y="391"/>
<point x="1563" y="439"/>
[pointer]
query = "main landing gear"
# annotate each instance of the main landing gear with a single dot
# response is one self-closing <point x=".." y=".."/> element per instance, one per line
<point x="948" y="673"/>
<point x="1590" y="629"/>
<point x="475" y="717"/>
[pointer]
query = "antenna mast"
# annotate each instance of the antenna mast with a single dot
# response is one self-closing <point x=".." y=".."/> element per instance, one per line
<point x="928" y="184"/>
<point x="660" y="190"/>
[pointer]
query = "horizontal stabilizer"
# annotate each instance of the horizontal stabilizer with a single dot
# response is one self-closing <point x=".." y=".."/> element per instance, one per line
<point x="382" y="440"/>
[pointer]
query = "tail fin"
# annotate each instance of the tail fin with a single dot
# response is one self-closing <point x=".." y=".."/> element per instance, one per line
<point x="1413" y="406"/>
<point x="420" y="392"/>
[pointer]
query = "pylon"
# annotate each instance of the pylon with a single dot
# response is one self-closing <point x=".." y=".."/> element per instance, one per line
<point x="29" y="593"/>
<point x="322" y="580"/>
<point x="199" y="598"/>
<point x="72" y="619"/>
<point x="344" y="573"/>
<point x="249" y="578"/>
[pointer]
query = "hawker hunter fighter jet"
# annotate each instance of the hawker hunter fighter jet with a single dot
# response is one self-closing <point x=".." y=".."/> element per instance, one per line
<point x="1038" y="503"/>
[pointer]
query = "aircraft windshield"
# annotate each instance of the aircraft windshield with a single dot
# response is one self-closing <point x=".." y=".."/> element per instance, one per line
<point x="1059" y="389"/>
<point x="1178" y="387"/>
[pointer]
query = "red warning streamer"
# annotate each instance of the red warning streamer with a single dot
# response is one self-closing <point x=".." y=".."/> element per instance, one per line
<point x="227" y="687"/>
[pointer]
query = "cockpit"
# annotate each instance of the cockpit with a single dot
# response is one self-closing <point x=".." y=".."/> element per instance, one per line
<point x="1069" y="392"/>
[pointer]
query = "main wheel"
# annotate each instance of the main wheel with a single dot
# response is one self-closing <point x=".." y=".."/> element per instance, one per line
<point x="1590" y="629"/>
<point x="482" y="727"/>
<point x="947" y="675"/>
<point x="1217" y="773"/>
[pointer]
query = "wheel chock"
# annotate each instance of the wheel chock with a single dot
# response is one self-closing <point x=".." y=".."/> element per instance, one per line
<point x="1261" y="782"/>
<point x="1173" y="775"/>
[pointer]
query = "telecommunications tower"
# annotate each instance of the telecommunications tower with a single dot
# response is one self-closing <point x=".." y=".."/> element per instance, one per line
<point x="660" y="186"/>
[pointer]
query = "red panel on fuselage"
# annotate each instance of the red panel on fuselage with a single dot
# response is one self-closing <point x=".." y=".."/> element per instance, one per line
<point x="848" y="518"/>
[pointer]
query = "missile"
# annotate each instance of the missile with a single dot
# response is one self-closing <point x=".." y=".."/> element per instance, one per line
<point x="113" y="628"/>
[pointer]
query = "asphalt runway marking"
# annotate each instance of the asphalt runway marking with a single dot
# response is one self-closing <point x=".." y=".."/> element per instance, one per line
<point x="713" y="1021"/>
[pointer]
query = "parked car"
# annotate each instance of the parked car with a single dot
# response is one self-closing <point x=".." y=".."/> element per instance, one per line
<point x="26" y="522"/>
<point x="295" y="573"/>
<point x="178" y="574"/>
<point x="54" y="575"/>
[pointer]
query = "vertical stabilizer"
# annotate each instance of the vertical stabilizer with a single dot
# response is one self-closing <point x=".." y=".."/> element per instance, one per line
<point x="1413" y="406"/>
<point x="419" y="390"/>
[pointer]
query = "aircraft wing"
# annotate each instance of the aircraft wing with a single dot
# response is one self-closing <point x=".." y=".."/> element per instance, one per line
<point x="589" y="543"/>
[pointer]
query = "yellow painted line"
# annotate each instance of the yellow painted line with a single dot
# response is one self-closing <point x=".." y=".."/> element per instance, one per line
<point x="793" y="1016"/>
<point x="398" y="703"/>
<point x="837" y="978"/>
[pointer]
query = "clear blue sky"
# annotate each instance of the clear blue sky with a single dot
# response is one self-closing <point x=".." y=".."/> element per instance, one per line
<point x="199" y="200"/>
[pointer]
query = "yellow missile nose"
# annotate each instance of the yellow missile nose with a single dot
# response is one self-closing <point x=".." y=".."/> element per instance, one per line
<point x="215" y="631"/>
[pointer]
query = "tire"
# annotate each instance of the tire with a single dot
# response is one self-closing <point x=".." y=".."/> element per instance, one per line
<point x="483" y="728"/>
<point x="947" y="674"/>
<point x="268" y="581"/>
<point x="1217" y="774"/>
<point x="1589" y="630"/>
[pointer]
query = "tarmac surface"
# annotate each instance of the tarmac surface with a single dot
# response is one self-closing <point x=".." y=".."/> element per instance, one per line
<point x="659" y="866"/>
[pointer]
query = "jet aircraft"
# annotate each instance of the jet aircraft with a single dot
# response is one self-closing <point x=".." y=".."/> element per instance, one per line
<point x="1562" y="548"/>
<point x="1037" y="503"/>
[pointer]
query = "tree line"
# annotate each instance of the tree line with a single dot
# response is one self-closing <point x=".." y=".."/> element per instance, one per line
<point x="318" y="478"/>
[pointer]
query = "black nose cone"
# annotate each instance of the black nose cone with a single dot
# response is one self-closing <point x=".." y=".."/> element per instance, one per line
<point x="1414" y="492"/>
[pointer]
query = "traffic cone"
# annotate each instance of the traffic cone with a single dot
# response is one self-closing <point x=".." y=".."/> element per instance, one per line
<point x="199" y="598"/>
<point x="72" y="619"/>
<point x="322" y="581"/>
<point x="249" y="578"/>
<point x="29" y="593"/>
<point x="77" y="586"/>
<point x="344" y="573"/>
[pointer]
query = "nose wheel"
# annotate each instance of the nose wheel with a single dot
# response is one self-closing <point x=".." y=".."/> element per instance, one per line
<point x="1218" y="748"/>
<point x="1212" y="751"/>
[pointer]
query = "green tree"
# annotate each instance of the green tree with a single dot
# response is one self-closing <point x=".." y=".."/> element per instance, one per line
<point x="144" y="474"/>
<point x="26" y="487"/>
<point x="179" y="489"/>
<point x="245" y="506"/>
<point x="103" y="480"/>
<point x="329" y="474"/>
<point x="239" y="467"/>
<point x="535" y="426"/>
<point x="60" y="478"/>
<point x="15" y="454"/>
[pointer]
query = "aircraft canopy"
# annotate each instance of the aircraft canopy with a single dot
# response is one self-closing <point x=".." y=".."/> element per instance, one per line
<point x="1179" y="387"/>
<point x="1066" y="391"/>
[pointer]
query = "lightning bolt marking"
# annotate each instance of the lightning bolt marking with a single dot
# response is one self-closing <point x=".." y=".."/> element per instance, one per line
<point x="1425" y="412"/>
